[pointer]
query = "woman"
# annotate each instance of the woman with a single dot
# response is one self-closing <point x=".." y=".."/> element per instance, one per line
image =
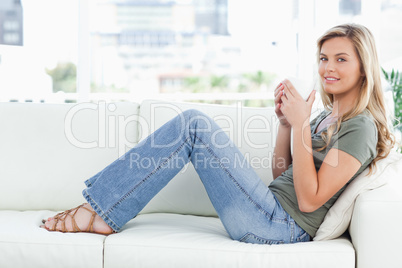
<point x="349" y="136"/>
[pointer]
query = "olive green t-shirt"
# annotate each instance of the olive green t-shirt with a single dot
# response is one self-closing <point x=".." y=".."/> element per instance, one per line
<point x="356" y="136"/>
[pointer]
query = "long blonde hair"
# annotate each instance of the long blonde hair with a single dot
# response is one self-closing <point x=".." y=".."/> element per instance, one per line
<point x="370" y="95"/>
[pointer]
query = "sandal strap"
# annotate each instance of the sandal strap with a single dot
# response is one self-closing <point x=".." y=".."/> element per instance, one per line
<point x="62" y="216"/>
<point x="73" y="222"/>
<point x="91" y="222"/>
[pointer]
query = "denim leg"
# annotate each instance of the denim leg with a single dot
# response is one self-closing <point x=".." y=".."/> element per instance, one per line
<point x="121" y="190"/>
<point x="247" y="208"/>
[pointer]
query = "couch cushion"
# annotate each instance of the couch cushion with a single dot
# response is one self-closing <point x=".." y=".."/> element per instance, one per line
<point x="172" y="240"/>
<point x="24" y="244"/>
<point x="47" y="151"/>
<point x="253" y="130"/>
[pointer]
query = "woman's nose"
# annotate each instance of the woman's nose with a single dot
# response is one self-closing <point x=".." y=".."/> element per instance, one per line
<point x="329" y="67"/>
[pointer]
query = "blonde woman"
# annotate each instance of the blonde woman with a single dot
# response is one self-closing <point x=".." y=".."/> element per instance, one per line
<point x="328" y="152"/>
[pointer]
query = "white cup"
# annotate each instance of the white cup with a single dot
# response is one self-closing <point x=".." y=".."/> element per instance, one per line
<point x="304" y="87"/>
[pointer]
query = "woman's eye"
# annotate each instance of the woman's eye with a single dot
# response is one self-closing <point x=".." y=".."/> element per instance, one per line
<point x="323" y="59"/>
<point x="341" y="60"/>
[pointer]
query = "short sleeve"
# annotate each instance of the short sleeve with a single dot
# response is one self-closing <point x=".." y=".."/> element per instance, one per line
<point x="357" y="137"/>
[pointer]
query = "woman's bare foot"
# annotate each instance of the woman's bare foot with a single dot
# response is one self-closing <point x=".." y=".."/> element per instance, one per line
<point x="80" y="219"/>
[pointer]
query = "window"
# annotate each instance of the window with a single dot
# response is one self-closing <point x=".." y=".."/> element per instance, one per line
<point x="11" y="38"/>
<point x="38" y="48"/>
<point x="10" y="25"/>
<point x="182" y="49"/>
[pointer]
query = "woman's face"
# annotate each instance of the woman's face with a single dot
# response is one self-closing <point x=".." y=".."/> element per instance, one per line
<point x="339" y="67"/>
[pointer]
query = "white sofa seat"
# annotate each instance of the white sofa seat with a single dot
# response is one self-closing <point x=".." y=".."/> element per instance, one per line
<point x="23" y="244"/>
<point x="181" y="241"/>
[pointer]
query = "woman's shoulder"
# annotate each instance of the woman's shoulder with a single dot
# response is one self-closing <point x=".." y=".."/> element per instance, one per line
<point x="365" y="119"/>
<point x="358" y="137"/>
<point x="362" y="124"/>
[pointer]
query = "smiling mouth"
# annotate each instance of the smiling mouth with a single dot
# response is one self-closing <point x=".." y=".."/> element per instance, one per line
<point x="331" y="79"/>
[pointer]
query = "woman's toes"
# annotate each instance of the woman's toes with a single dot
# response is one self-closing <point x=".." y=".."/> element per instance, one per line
<point x="48" y="224"/>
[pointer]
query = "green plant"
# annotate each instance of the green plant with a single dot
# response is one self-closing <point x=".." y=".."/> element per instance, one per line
<point x="219" y="82"/>
<point x="64" y="77"/>
<point x="259" y="78"/>
<point x="394" y="78"/>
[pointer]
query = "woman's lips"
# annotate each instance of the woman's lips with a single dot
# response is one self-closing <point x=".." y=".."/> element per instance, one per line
<point x="331" y="80"/>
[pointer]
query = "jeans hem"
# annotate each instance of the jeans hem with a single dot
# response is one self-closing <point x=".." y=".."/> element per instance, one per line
<point x="88" y="183"/>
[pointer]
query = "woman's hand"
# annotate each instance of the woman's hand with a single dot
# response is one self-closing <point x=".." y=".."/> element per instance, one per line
<point x="292" y="106"/>
<point x="278" y="93"/>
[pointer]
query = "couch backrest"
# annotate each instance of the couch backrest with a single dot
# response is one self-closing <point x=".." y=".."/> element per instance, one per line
<point x="47" y="151"/>
<point x="253" y="130"/>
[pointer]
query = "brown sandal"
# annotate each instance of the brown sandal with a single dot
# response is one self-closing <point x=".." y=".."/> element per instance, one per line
<point x="63" y="216"/>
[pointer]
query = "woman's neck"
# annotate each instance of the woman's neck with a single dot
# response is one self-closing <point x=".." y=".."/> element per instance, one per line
<point x="343" y="104"/>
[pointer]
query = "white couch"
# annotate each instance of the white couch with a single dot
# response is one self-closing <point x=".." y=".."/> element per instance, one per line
<point x="48" y="150"/>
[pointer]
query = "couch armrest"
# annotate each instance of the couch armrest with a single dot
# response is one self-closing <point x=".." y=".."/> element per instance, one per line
<point x="375" y="227"/>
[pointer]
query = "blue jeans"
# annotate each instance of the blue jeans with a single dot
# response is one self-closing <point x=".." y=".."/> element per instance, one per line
<point x="247" y="208"/>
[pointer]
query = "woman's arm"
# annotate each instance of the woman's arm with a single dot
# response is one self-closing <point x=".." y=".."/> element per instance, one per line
<point x="313" y="188"/>
<point x="282" y="157"/>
